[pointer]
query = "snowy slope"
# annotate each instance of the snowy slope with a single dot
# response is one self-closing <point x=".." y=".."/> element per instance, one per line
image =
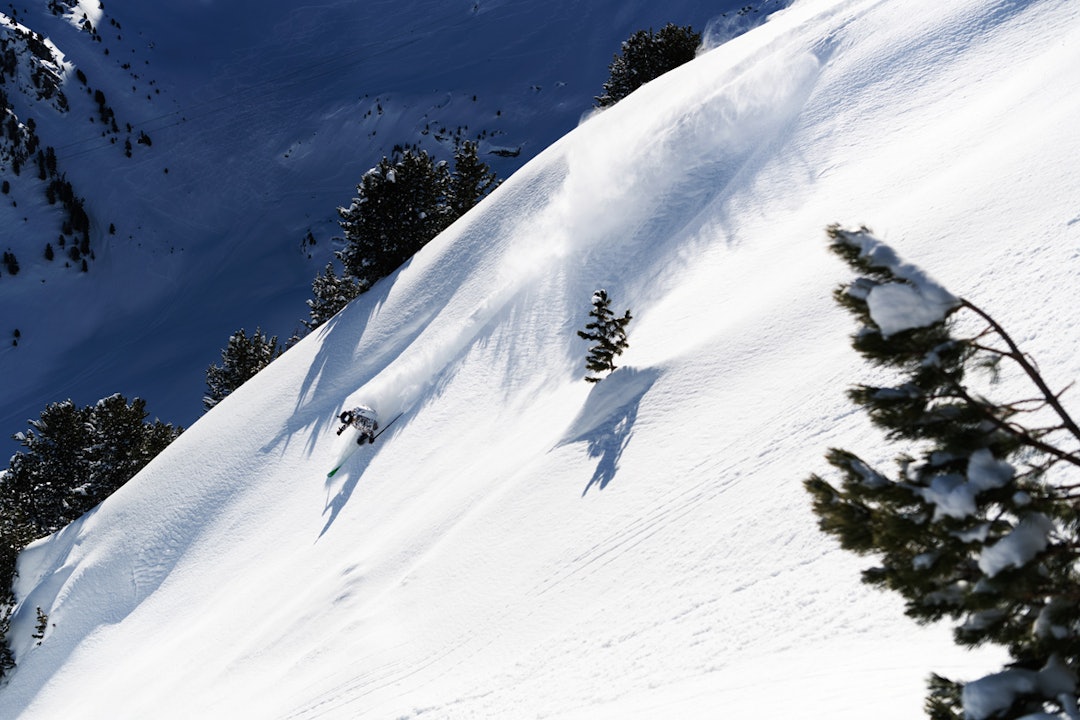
<point x="522" y="544"/>
<point x="263" y="118"/>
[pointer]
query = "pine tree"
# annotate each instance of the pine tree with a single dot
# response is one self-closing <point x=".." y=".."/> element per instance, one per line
<point x="332" y="293"/>
<point x="42" y="626"/>
<point x="609" y="334"/>
<point x="241" y="359"/>
<point x="401" y="205"/>
<point x="42" y="477"/>
<point x="73" y="458"/>
<point x="645" y="56"/>
<point x="470" y="181"/>
<point x="11" y="263"/>
<point x="9" y="555"/>
<point x="979" y="521"/>
<point x="123" y="442"/>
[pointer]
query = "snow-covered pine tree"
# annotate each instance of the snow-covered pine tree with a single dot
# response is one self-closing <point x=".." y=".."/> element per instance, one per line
<point x="37" y="486"/>
<point x="609" y="334"/>
<point x="979" y="521"/>
<point x="331" y="293"/>
<point x="240" y="360"/>
<point x="73" y="458"/>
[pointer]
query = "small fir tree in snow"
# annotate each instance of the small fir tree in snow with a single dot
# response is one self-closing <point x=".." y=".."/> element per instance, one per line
<point x="609" y="334"/>
<point x="241" y="359"/>
<point x="645" y="56"/>
<point x="979" y="521"/>
<point x="42" y="626"/>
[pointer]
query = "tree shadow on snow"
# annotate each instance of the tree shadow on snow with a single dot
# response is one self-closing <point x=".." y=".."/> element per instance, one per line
<point x="606" y="420"/>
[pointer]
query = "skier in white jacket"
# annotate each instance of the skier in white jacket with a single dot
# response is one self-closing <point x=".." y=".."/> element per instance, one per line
<point x="363" y="419"/>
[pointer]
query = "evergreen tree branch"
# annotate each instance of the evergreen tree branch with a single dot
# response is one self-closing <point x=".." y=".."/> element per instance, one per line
<point x="1029" y="368"/>
<point x="1018" y="431"/>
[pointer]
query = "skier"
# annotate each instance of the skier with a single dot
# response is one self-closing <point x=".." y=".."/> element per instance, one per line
<point x="363" y="419"/>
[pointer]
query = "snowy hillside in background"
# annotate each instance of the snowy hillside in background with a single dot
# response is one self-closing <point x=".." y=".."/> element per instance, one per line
<point x="262" y="120"/>
<point x="523" y="544"/>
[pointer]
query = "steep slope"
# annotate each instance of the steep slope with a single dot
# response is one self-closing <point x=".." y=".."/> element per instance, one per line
<point x="260" y="123"/>
<point x="523" y="544"/>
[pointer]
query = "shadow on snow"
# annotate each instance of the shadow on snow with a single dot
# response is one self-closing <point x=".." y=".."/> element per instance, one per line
<point x="606" y="420"/>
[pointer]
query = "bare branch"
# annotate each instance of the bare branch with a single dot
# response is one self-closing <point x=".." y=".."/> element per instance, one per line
<point x="1030" y="368"/>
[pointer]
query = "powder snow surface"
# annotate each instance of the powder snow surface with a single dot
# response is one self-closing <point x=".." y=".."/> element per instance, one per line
<point x="523" y="544"/>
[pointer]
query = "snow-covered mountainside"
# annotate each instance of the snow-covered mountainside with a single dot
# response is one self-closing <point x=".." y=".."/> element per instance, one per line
<point x="208" y="140"/>
<point x="523" y="544"/>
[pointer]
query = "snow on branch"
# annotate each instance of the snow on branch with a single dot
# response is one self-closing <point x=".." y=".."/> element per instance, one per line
<point x="912" y="300"/>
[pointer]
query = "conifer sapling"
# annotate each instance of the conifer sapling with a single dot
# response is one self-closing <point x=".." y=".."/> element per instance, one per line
<point x="609" y="334"/>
